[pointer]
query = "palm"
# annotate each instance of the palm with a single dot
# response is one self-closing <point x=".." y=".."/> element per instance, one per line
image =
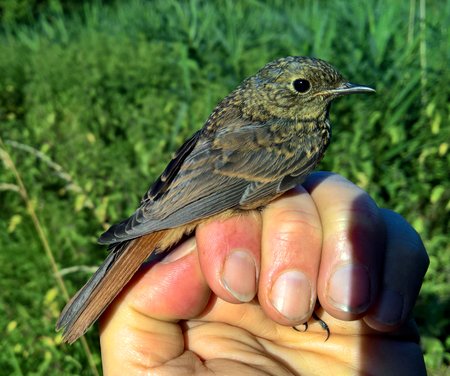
<point x="231" y="339"/>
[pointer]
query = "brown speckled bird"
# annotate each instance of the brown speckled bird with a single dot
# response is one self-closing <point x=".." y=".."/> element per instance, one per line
<point x="260" y="141"/>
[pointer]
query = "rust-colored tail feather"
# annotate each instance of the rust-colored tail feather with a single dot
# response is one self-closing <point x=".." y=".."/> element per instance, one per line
<point x="106" y="283"/>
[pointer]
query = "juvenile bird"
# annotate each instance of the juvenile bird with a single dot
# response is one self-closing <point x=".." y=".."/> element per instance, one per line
<point x="262" y="140"/>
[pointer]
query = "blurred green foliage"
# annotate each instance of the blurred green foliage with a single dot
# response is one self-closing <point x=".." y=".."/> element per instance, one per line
<point x="94" y="98"/>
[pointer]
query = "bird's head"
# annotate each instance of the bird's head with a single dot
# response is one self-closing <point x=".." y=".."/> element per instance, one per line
<point x="295" y="87"/>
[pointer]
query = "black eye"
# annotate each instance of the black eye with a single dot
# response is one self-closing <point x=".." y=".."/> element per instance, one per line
<point x="301" y="85"/>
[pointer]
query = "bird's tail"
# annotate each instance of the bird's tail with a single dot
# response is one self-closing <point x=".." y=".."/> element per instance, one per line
<point x="94" y="297"/>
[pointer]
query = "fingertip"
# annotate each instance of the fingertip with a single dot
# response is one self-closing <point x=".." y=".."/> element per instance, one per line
<point x="388" y="312"/>
<point x="402" y="235"/>
<point x="291" y="296"/>
<point x="349" y="289"/>
<point x="400" y="286"/>
<point x="291" y="247"/>
<point x="229" y="255"/>
<point x="353" y="245"/>
<point x="239" y="274"/>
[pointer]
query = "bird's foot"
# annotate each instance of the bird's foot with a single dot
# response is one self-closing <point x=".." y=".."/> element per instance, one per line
<point x="322" y="323"/>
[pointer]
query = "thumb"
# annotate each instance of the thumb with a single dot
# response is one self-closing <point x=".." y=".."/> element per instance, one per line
<point x="140" y="328"/>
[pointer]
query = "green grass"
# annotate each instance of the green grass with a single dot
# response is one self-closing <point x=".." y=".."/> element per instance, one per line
<point x="95" y="98"/>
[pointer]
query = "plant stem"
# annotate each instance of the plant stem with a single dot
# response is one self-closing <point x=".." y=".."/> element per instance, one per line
<point x="44" y="241"/>
<point x="412" y="13"/>
<point x="423" y="51"/>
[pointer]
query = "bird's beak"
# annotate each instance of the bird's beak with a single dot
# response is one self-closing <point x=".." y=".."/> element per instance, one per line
<point x="349" y="88"/>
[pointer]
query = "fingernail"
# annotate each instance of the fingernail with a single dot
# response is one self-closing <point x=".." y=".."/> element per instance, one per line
<point x="291" y="295"/>
<point x="390" y="308"/>
<point x="180" y="251"/>
<point x="239" y="275"/>
<point x="349" y="288"/>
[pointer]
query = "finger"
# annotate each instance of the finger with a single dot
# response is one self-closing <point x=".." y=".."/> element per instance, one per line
<point x="139" y="329"/>
<point x="353" y="245"/>
<point x="405" y="266"/>
<point x="291" y="247"/>
<point x="229" y="254"/>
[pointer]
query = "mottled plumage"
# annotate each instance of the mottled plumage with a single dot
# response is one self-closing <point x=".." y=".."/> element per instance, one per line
<point x="260" y="141"/>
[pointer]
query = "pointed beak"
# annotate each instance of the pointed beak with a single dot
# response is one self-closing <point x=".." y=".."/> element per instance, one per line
<point x="349" y="88"/>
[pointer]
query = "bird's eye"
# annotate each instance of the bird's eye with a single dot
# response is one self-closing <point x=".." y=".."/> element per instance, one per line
<point x="301" y="85"/>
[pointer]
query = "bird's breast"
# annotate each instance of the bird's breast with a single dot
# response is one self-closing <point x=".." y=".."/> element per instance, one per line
<point x="308" y="136"/>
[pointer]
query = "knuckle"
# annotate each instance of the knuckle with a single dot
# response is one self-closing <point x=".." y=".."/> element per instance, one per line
<point x="292" y="223"/>
<point x="362" y="212"/>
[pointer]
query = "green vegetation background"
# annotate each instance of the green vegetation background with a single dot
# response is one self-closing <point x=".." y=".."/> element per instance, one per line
<point x="94" y="97"/>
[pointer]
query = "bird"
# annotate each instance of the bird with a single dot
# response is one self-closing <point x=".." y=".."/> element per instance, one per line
<point x="260" y="141"/>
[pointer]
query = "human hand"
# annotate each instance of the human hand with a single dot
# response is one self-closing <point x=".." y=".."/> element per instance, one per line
<point x="328" y="239"/>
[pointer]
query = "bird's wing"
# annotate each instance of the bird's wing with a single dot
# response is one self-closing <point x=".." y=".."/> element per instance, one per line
<point x="264" y="153"/>
<point x="243" y="167"/>
<point x="268" y="158"/>
<point x="165" y="179"/>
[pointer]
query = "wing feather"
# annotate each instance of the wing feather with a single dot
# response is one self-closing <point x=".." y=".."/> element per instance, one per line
<point x="244" y="167"/>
